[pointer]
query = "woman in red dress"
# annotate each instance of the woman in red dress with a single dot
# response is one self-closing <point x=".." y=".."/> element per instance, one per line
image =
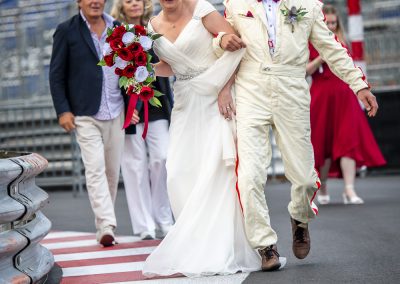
<point x="340" y="133"/>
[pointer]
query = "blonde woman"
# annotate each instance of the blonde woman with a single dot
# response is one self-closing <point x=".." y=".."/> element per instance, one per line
<point x="143" y="161"/>
<point x="137" y="12"/>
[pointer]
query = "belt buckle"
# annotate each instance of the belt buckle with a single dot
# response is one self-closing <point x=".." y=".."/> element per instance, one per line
<point x="265" y="68"/>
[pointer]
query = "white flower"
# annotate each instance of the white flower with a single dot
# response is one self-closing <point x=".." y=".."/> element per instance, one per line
<point x="128" y="38"/>
<point x="131" y="26"/>
<point x="141" y="74"/>
<point x="120" y="63"/>
<point x="145" y="42"/>
<point x="106" y="49"/>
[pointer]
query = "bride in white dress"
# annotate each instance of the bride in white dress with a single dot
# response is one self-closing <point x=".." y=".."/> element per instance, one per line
<point x="208" y="236"/>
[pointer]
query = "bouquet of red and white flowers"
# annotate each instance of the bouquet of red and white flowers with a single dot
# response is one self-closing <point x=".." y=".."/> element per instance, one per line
<point x="126" y="50"/>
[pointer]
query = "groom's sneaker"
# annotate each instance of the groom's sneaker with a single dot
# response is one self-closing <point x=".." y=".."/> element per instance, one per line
<point x="301" y="239"/>
<point x="105" y="236"/>
<point x="270" y="258"/>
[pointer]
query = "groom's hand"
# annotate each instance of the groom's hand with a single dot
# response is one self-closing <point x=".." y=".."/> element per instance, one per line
<point x="369" y="101"/>
<point x="231" y="42"/>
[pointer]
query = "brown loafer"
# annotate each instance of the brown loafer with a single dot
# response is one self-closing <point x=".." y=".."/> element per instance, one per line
<point x="301" y="239"/>
<point x="270" y="258"/>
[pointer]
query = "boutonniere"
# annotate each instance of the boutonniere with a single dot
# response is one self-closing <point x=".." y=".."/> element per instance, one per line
<point x="293" y="15"/>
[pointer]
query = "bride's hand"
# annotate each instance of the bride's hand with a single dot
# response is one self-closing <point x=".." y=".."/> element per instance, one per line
<point x="225" y="104"/>
<point x="231" y="42"/>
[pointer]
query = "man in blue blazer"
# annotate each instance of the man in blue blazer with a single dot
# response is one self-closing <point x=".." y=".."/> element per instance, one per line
<point x="88" y="101"/>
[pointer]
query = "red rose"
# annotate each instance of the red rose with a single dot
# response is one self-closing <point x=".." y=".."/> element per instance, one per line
<point x="109" y="59"/>
<point x="125" y="54"/>
<point x="119" y="71"/>
<point x="141" y="59"/>
<point x="140" y="30"/>
<point x="146" y="93"/>
<point x="116" y="44"/>
<point x="118" y="32"/>
<point x="129" y="71"/>
<point x="135" y="47"/>
<point x="130" y="91"/>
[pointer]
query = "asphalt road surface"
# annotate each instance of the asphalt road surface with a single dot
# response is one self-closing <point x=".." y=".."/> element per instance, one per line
<point x="349" y="243"/>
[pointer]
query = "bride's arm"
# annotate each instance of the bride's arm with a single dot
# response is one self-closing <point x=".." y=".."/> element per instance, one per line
<point x="163" y="69"/>
<point x="225" y="102"/>
<point x="215" y="24"/>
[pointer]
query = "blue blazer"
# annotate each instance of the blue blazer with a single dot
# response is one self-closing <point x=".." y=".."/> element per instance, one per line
<point x="75" y="78"/>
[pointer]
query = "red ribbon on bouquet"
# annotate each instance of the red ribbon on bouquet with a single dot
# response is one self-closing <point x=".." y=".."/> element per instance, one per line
<point x="133" y="98"/>
<point x="145" y="95"/>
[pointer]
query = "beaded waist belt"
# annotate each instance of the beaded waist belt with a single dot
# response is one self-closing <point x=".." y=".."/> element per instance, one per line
<point x="192" y="74"/>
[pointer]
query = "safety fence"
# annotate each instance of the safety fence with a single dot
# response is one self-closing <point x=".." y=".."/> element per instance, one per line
<point x="380" y="13"/>
<point x="383" y="59"/>
<point x="26" y="29"/>
<point x="22" y="225"/>
<point x="35" y="129"/>
<point x="381" y="20"/>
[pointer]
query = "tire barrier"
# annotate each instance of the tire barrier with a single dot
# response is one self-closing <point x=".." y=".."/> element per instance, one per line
<point x="22" y="225"/>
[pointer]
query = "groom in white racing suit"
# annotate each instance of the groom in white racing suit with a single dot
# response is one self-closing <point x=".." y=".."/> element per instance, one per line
<point x="271" y="90"/>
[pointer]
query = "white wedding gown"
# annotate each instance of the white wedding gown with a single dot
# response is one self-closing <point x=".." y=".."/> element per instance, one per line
<point x="208" y="236"/>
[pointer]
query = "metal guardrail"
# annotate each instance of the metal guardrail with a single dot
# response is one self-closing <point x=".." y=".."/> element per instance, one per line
<point x="22" y="225"/>
<point x="383" y="59"/>
<point x="381" y="13"/>
<point x="26" y="38"/>
<point x="35" y="129"/>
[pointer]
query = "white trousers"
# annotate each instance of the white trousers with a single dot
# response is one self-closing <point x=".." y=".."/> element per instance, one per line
<point x="101" y="144"/>
<point x="277" y="98"/>
<point x="145" y="177"/>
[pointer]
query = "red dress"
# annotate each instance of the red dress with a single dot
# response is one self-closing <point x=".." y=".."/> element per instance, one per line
<point x="339" y="127"/>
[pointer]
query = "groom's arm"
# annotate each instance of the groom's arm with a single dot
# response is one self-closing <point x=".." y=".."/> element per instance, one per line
<point x="334" y="54"/>
<point x="339" y="60"/>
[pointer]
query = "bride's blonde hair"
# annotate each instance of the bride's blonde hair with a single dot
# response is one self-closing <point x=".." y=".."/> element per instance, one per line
<point x="118" y="13"/>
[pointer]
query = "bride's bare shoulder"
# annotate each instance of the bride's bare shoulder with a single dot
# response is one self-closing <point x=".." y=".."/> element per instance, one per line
<point x="155" y="21"/>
